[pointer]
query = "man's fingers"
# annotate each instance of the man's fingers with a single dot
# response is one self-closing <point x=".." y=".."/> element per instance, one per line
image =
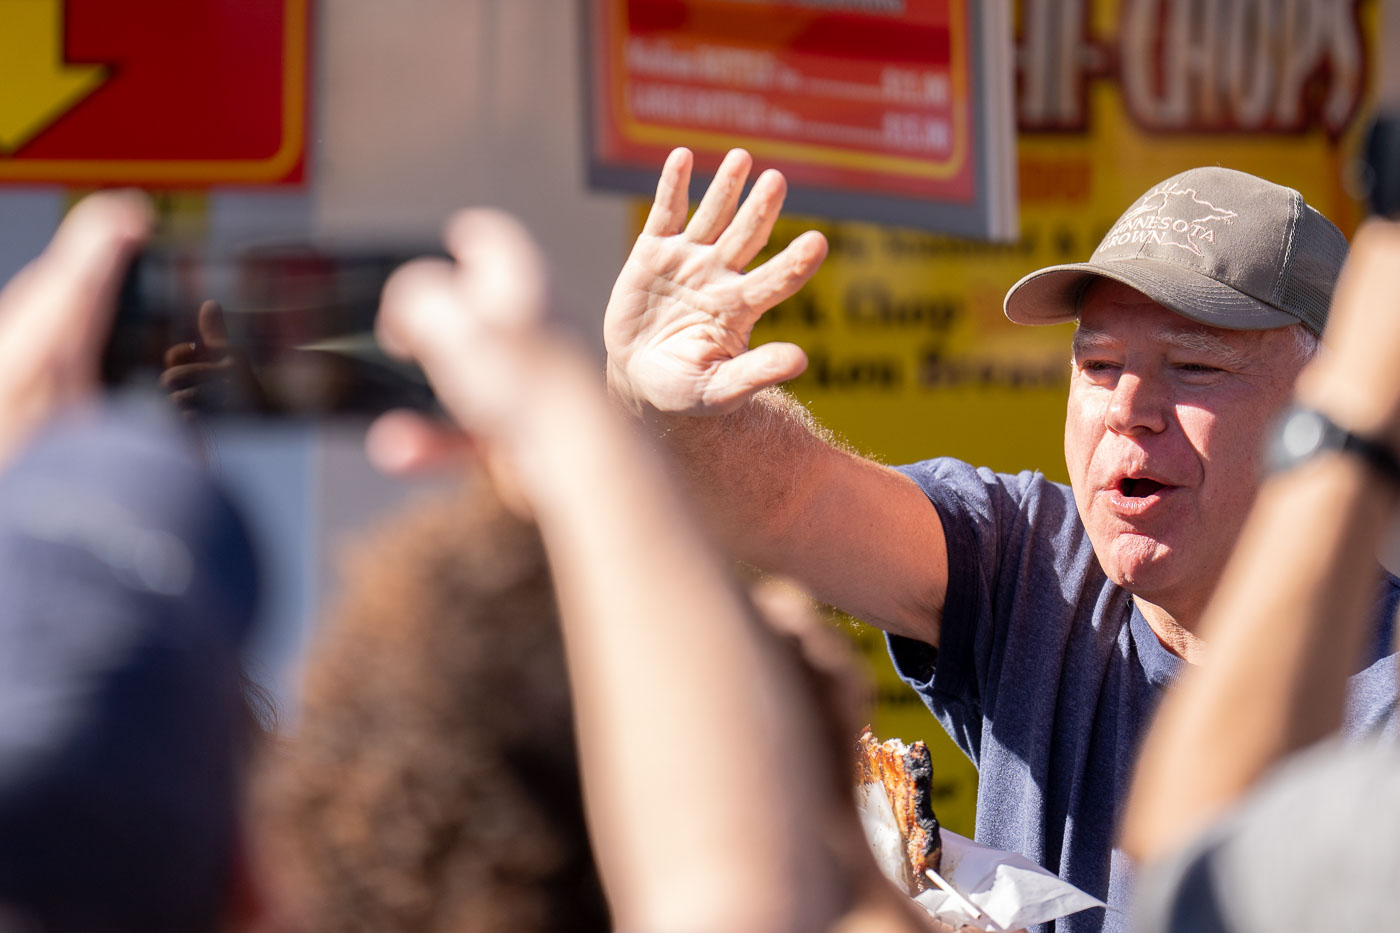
<point x="403" y="442"/>
<point x="781" y="276"/>
<point x="741" y="241"/>
<point x="668" y="210"/>
<point x="717" y="206"/>
<point x="763" y="366"/>
<point x="501" y="274"/>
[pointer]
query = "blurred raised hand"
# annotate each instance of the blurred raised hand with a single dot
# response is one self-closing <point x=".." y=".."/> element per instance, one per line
<point x="473" y="326"/>
<point x="678" y="323"/>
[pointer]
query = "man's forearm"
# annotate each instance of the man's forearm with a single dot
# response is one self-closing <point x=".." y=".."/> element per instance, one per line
<point x="779" y="491"/>
<point x="751" y="470"/>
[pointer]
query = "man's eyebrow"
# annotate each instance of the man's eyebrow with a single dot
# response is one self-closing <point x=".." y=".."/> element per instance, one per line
<point x="1197" y="341"/>
<point x="1086" y="339"/>
<point x="1194" y="341"/>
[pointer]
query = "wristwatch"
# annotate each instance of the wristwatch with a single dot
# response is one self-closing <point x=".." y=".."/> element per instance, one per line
<point x="1303" y="433"/>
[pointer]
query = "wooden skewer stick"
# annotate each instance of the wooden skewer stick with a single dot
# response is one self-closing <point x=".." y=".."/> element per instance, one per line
<point x="963" y="902"/>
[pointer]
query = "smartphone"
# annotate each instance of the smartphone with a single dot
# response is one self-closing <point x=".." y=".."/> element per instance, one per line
<point x="280" y="331"/>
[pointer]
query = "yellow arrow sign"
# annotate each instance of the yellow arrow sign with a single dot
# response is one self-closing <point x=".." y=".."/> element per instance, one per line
<point x="37" y="86"/>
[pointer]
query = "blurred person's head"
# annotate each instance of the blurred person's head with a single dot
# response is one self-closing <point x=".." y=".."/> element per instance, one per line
<point x="432" y="782"/>
<point x="128" y="589"/>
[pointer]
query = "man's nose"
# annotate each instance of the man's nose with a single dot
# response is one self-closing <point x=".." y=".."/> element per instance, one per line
<point x="1139" y="405"/>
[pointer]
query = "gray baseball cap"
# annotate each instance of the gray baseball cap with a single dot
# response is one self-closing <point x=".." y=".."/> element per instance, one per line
<point x="1218" y="246"/>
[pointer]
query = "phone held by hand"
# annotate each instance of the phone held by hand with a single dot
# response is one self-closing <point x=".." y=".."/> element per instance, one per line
<point x="274" y="331"/>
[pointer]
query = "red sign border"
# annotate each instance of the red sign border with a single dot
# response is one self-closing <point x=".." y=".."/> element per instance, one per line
<point x="200" y="172"/>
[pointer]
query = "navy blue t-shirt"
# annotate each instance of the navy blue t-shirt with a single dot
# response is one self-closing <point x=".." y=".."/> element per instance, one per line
<point x="1047" y="676"/>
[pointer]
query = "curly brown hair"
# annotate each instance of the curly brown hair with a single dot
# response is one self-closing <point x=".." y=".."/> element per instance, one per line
<point x="433" y="781"/>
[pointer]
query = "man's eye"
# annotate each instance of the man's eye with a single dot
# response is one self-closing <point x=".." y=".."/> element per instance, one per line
<point x="1198" y="368"/>
<point x="1097" y="366"/>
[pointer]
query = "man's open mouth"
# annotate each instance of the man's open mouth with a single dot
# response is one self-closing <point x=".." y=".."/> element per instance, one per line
<point x="1139" y="488"/>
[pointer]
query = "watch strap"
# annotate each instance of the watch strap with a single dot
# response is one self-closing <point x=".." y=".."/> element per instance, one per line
<point x="1322" y="434"/>
<point x="1378" y="455"/>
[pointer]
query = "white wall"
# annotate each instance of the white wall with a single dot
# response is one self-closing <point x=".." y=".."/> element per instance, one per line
<point x="434" y="104"/>
<point x="427" y="106"/>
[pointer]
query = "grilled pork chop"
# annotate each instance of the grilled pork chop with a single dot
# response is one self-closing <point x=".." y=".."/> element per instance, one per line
<point x="906" y="774"/>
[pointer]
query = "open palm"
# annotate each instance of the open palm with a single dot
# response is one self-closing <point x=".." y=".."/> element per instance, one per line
<point x="678" y="323"/>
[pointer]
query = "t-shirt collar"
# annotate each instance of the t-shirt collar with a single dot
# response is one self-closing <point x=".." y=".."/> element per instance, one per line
<point x="1159" y="664"/>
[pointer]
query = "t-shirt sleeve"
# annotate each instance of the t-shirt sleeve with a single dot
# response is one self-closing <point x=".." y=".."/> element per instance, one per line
<point x="1003" y="533"/>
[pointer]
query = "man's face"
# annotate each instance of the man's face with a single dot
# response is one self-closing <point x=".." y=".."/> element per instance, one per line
<point x="1164" y="438"/>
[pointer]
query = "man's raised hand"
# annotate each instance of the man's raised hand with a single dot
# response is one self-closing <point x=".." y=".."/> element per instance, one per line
<point x="678" y="323"/>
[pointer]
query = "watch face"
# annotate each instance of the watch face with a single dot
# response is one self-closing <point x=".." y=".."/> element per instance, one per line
<point x="1303" y="433"/>
<point x="1300" y="435"/>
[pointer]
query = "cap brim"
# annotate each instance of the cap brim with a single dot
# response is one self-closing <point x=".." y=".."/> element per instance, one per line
<point x="1053" y="295"/>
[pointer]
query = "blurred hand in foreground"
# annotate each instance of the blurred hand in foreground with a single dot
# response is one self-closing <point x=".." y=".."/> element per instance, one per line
<point x="56" y="313"/>
<point x="473" y="327"/>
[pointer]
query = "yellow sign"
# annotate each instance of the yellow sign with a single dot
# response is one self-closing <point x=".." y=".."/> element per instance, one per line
<point x="31" y="57"/>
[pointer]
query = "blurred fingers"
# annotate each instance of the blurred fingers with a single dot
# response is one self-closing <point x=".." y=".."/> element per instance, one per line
<point x="212" y="343"/>
<point x="70" y="291"/>
<point x="212" y="329"/>
<point x="192" y="374"/>
<point x="404" y="442"/>
<point x="501" y="275"/>
<point x="470" y="325"/>
<point x="789" y="610"/>
<point x="785" y="607"/>
<point x="1372" y="270"/>
<point x="417" y="299"/>
<point x="183" y="353"/>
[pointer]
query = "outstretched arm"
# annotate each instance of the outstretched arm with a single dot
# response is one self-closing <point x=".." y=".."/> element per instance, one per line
<point x="1292" y="614"/>
<point x="696" y="747"/>
<point x="780" y="493"/>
